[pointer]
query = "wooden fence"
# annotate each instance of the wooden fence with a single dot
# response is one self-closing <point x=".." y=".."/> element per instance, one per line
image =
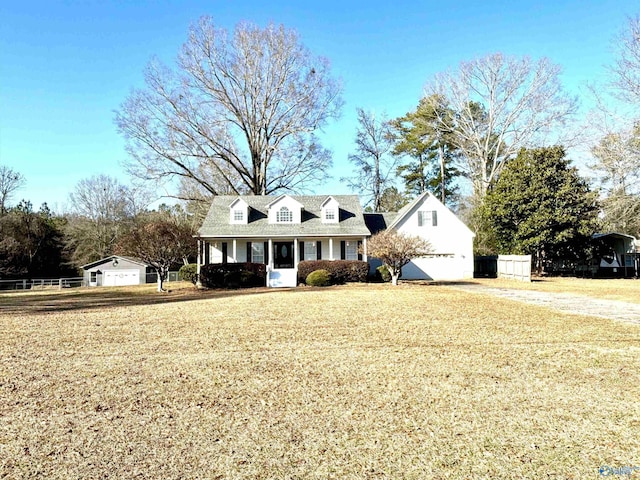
<point x="515" y="267"/>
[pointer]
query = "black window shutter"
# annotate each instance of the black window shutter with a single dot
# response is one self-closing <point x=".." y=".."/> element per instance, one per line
<point x="301" y="251"/>
<point x="319" y="250"/>
<point x="207" y="247"/>
<point x="420" y="220"/>
<point x="224" y="252"/>
<point x="249" y="252"/>
<point x="343" y="250"/>
<point x="434" y="217"/>
<point x="266" y="253"/>
<point x="359" y="252"/>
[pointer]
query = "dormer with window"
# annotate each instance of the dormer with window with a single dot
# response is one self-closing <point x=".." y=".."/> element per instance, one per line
<point x="330" y="211"/>
<point x="239" y="212"/>
<point x="285" y="210"/>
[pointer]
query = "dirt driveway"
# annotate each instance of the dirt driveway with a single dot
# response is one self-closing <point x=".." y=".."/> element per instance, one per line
<point x="563" y="302"/>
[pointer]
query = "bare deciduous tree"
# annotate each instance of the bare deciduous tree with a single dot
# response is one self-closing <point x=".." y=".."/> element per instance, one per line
<point x="396" y="249"/>
<point x="101" y="210"/>
<point x="502" y="104"/>
<point x="160" y="244"/>
<point x="627" y="67"/>
<point x="617" y="165"/>
<point x="10" y="181"/>
<point x="238" y="114"/>
<point x="374" y="166"/>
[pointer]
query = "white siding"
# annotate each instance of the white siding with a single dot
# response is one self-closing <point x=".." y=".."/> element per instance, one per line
<point x="451" y="241"/>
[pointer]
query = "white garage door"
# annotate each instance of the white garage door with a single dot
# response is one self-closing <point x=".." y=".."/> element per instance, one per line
<point x="118" y="278"/>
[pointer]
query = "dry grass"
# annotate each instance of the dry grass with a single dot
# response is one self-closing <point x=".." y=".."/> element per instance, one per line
<point x="625" y="290"/>
<point x="355" y="382"/>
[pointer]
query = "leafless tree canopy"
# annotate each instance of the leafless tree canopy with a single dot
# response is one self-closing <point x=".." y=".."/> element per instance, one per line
<point x="375" y="167"/>
<point x="502" y="104"/>
<point x="627" y="68"/>
<point x="617" y="166"/>
<point x="10" y="181"/>
<point x="159" y="243"/>
<point x="396" y="249"/>
<point x="101" y="210"/>
<point x="238" y="114"/>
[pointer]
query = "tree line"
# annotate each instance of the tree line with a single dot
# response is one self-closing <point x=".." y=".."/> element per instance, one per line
<point x="105" y="217"/>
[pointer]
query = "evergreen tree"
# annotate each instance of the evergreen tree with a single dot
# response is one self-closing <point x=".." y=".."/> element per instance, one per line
<point x="542" y="207"/>
<point x="428" y="146"/>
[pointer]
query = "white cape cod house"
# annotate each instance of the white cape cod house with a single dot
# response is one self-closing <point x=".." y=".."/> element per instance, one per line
<point x="280" y="231"/>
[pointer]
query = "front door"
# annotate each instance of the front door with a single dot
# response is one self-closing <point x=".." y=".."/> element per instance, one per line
<point x="283" y="254"/>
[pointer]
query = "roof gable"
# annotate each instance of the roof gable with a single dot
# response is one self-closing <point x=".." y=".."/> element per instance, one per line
<point x="111" y="259"/>
<point x="427" y="198"/>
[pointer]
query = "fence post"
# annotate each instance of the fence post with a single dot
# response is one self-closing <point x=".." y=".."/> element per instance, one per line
<point x="24" y="284"/>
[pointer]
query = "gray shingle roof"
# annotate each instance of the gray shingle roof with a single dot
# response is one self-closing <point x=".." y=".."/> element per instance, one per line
<point x="376" y="222"/>
<point x="216" y="223"/>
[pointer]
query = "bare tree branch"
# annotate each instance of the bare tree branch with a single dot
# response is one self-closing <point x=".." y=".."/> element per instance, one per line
<point x="10" y="182"/>
<point x="503" y="104"/>
<point x="232" y="112"/>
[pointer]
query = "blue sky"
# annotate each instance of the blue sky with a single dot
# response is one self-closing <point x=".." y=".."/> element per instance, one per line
<point x="66" y="66"/>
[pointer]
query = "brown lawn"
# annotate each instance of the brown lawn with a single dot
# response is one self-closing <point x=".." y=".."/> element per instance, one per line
<point x="353" y="382"/>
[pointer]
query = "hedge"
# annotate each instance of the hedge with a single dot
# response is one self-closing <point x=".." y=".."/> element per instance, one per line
<point x="341" y="271"/>
<point x="233" y="275"/>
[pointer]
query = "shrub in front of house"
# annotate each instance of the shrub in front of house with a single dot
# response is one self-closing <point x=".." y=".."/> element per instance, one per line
<point x="188" y="273"/>
<point x="341" y="271"/>
<point x="233" y="275"/>
<point x="319" y="278"/>
<point x="382" y="273"/>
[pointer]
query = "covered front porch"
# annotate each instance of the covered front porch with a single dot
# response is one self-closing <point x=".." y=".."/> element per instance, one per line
<point x="281" y="255"/>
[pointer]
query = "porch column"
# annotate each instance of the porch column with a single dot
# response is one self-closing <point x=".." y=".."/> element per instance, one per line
<point x="199" y="261"/>
<point x="296" y="253"/>
<point x="235" y="258"/>
<point x="330" y="248"/>
<point x="270" y="254"/>
<point x="364" y="249"/>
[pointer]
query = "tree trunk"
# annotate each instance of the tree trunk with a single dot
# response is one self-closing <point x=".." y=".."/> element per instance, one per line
<point x="394" y="279"/>
<point x="162" y="275"/>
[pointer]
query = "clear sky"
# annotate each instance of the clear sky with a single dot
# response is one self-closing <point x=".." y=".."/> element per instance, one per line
<point x="65" y="66"/>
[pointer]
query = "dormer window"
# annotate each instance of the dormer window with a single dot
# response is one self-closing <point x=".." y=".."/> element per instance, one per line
<point x="330" y="214"/>
<point x="284" y="215"/>
<point x="330" y="208"/>
<point x="239" y="212"/>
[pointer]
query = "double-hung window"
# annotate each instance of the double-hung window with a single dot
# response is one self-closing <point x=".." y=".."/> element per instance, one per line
<point x="310" y="251"/>
<point x="351" y="250"/>
<point x="257" y="252"/>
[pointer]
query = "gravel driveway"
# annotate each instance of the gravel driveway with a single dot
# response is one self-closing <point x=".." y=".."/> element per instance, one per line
<point x="564" y="302"/>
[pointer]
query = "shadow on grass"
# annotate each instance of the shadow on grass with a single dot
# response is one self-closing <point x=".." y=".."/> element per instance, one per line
<point x="96" y="298"/>
<point x="42" y="302"/>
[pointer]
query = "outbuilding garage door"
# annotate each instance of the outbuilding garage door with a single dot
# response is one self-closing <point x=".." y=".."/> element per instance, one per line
<point x="118" y="278"/>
